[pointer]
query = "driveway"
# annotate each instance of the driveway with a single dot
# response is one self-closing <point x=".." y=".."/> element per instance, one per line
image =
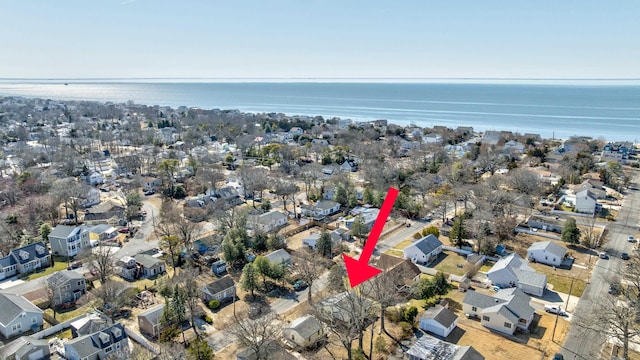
<point x="144" y="239"/>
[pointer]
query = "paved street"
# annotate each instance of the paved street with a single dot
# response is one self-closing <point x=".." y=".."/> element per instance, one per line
<point x="579" y="345"/>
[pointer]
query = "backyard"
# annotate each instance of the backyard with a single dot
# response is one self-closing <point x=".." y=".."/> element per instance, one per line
<point x="450" y="262"/>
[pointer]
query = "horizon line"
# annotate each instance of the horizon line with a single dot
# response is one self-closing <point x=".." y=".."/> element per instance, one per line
<point x="321" y="78"/>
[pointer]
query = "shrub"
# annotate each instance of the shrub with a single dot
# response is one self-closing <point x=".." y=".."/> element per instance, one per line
<point x="168" y="334"/>
<point x="407" y="329"/>
<point x="214" y="304"/>
<point x="207" y="319"/>
<point x="417" y="236"/>
<point x="430" y="303"/>
<point x="395" y="314"/>
<point x="431" y="230"/>
<point x="357" y="354"/>
<point x="410" y="314"/>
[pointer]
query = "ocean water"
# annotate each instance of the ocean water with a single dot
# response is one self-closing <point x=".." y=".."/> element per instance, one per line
<point x="610" y="110"/>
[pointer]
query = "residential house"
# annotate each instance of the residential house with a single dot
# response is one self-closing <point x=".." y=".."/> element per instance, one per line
<point x="464" y="131"/>
<point x="30" y="257"/>
<point x="99" y="345"/>
<point x="616" y="152"/>
<point x="89" y="324"/>
<point x="513" y="147"/>
<point x="151" y="184"/>
<point x="149" y="321"/>
<point x="25" y="348"/>
<point x="512" y="270"/>
<point x="321" y="209"/>
<point x="586" y="202"/>
<point x="67" y="240"/>
<point x="222" y="289"/>
<point x="430" y="348"/>
<point x="272" y="350"/>
<point x="341" y="306"/>
<point x="545" y="223"/>
<point x="505" y="312"/>
<point x="432" y="138"/>
<point x="368" y="215"/>
<point x="8" y="267"/>
<point x="229" y="195"/>
<point x="423" y="251"/>
<point x="105" y="211"/>
<point x="439" y="321"/>
<point x="68" y="286"/>
<point x="91" y="198"/>
<point x="94" y="179"/>
<point x="102" y="232"/>
<point x="151" y="266"/>
<point x="280" y="256"/>
<point x="404" y="273"/>
<point x="268" y="221"/>
<point x="303" y="332"/>
<point x="312" y="240"/>
<point x="546" y="252"/>
<point x="349" y="166"/>
<point x="18" y="315"/>
<point x="491" y="137"/>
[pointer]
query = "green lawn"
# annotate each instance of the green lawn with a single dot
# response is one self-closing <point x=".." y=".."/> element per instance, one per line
<point x="394" y="252"/>
<point x="57" y="266"/>
<point x="66" y="314"/>
<point x="563" y="283"/>
<point x="448" y="263"/>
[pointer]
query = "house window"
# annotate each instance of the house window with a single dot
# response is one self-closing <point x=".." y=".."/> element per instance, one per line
<point x="473" y="308"/>
<point x="108" y="349"/>
<point x="80" y="283"/>
<point x="522" y="321"/>
<point x="507" y="325"/>
<point x="16" y="326"/>
<point x="34" y="320"/>
<point x="486" y="318"/>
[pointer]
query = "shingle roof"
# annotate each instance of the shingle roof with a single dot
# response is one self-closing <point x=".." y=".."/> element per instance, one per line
<point x="549" y="246"/>
<point x="61" y="277"/>
<point x="278" y="256"/>
<point x="7" y="261"/>
<point x="271" y="216"/>
<point x="147" y="261"/>
<point x="518" y="301"/>
<point x="153" y="315"/>
<point x="221" y="284"/>
<point x="530" y="278"/>
<point x="88" y="345"/>
<point x="32" y="251"/>
<point x="62" y="231"/>
<point x="479" y="300"/>
<point x="306" y="326"/>
<point x="326" y="205"/>
<point x="13" y="305"/>
<point x="22" y="346"/>
<point x="427" y="244"/>
<point x="440" y="314"/>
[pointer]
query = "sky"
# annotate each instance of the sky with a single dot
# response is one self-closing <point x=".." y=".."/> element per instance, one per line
<point x="321" y="39"/>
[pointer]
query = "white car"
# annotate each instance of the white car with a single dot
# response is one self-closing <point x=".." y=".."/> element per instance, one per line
<point x="631" y="238"/>
<point x="554" y="310"/>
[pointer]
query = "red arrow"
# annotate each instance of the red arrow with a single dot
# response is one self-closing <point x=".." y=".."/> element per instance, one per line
<point x="359" y="270"/>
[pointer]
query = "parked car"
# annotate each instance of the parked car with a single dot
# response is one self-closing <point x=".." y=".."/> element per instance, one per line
<point x="149" y="192"/>
<point x="603" y="255"/>
<point x="631" y="238"/>
<point x="74" y="265"/>
<point x="124" y="230"/>
<point x="624" y="256"/>
<point x="553" y="309"/>
<point x="558" y="356"/>
<point x="299" y="285"/>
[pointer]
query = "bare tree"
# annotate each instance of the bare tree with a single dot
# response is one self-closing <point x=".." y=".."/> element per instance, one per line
<point x="257" y="334"/>
<point x="53" y="292"/>
<point x="307" y="265"/>
<point x="347" y="315"/>
<point x="112" y="296"/>
<point x="383" y="290"/>
<point x="102" y="258"/>
<point x="188" y="281"/>
<point x="613" y="317"/>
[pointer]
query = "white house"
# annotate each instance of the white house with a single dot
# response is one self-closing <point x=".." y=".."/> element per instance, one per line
<point x="321" y="209"/>
<point x="439" y="321"/>
<point x="512" y="270"/>
<point x="268" y="221"/>
<point x="303" y="332"/>
<point x="94" y="179"/>
<point x="423" y="251"/>
<point x="585" y="202"/>
<point x="312" y="240"/>
<point x="505" y="312"/>
<point x="513" y="147"/>
<point x="18" y="315"/>
<point x="546" y="252"/>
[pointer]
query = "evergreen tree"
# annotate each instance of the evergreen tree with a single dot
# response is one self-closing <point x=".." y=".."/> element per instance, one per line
<point x="324" y="244"/>
<point x="570" y="232"/>
<point x="199" y="350"/>
<point x="458" y="232"/>
<point x="358" y="228"/>
<point x="249" y="278"/>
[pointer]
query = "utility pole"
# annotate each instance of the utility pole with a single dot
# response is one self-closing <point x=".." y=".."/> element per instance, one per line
<point x="566" y="307"/>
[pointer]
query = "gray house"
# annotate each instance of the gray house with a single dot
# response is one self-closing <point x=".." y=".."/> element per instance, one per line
<point x="149" y="321"/>
<point x="25" y="348"/>
<point x="280" y="256"/>
<point x="221" y="289"/>
<point x="99" y="345"/>
<point x="67" y="240"/>
<point x="68" y="286"/>
<point x="429" y="347"/>
<point x="18" y="315"/>
<point x="151" y="266"/>
<point x="25" y="260"/>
